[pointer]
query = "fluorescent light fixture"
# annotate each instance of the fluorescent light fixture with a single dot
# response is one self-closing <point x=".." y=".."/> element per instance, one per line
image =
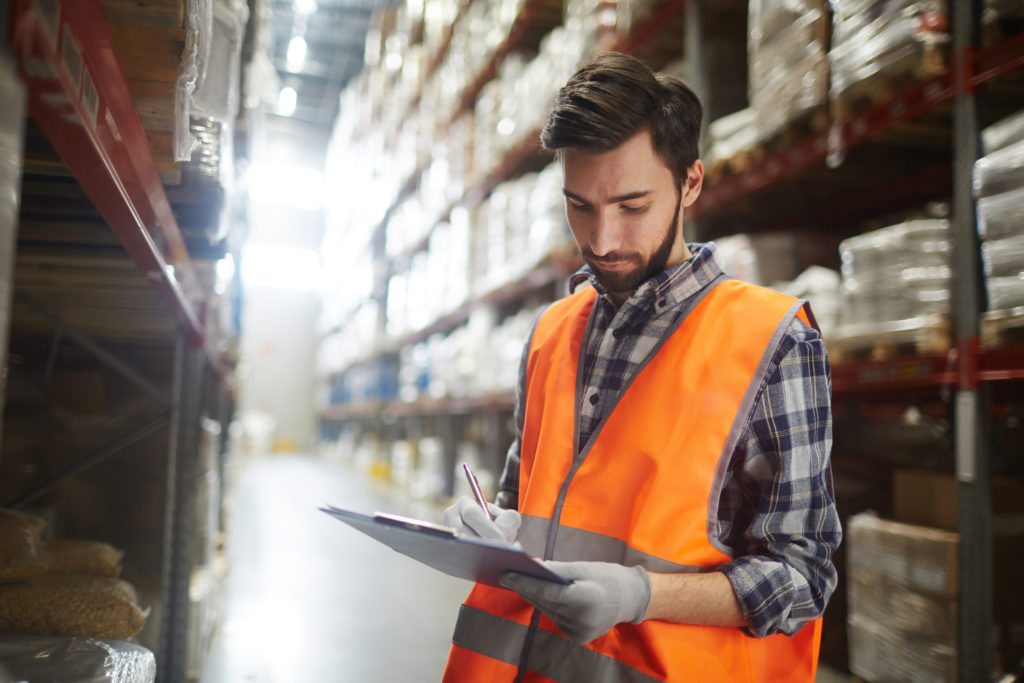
<point x="280" y="267"/>
<point x="305" y="6"/>
<point x="296" y="53"/>
<point x="286" y="186"/>
<point x="287" y="100"/>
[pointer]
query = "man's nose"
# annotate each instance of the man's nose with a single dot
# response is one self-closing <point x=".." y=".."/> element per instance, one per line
<point x="605" y="236"/>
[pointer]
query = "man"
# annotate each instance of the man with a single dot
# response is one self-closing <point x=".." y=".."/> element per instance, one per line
<point x="673" y="434"/>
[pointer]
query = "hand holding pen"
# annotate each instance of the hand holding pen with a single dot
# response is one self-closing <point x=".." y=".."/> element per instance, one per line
<point x="474" y="516"/>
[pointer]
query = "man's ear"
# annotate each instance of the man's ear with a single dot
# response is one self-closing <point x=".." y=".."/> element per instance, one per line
<point x="692" y="183"/>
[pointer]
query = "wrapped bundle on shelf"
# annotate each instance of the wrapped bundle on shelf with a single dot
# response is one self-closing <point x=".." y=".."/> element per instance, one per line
<point x="879" y="46"/>
<point x="902" y="591"/>
<point x="896" y="288"/>
<point x="40" y="658"/>
<point x="999" y="186"/>
<point x="730" y="143"/>
<point x="787" y="49"/>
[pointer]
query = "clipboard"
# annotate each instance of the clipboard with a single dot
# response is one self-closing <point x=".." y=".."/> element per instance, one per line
<point x="465" y="557"/>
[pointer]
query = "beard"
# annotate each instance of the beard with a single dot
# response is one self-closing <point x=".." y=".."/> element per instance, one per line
<point x="626" y="282"/>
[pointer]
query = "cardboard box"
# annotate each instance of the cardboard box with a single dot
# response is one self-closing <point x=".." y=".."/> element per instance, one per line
<point x="932" y="499"/>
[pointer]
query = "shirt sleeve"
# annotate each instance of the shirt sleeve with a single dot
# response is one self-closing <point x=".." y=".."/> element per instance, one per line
<point x="779" y="504"/>
<point x="508" y="484"/>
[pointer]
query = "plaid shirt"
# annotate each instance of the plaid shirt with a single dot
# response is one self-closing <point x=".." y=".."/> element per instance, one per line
<point x="776" y="514"/>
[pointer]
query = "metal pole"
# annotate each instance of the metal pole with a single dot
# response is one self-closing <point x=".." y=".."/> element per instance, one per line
<point x="12" y="140"/>
<point x="179" y="517"/>
<point x="972" y="457"/>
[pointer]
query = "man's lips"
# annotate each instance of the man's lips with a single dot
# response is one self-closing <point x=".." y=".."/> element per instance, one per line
<point x="611" y="265"/>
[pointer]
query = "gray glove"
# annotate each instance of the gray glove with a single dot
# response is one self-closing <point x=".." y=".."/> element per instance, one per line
<point x="601" y="595"/>
<point x="467" y="517"/>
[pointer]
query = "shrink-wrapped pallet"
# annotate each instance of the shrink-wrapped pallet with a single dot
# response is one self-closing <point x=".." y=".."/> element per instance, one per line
<point x="878" y="45"/>
<point x="902" y="609"/>
<point x="85" y="660"/>
<point x="999" y="187"/>
<point x="897" y="273"/>
<point x="788" y="61"/>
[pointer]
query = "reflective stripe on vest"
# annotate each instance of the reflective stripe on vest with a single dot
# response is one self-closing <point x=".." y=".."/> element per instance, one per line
<point x="642" y="491"/>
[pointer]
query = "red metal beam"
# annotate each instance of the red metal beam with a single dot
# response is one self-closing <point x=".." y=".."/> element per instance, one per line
<point x="80" y="99"/>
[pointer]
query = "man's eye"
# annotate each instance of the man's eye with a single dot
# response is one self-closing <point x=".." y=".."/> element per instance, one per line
<point x="632" y="209"/>
<point x="579" y="206"/>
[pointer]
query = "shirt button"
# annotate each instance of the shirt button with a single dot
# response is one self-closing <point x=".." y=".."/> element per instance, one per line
<point x="594" y="399"/>
<point x="662" y="303"/>
<point x="617" y="333"/>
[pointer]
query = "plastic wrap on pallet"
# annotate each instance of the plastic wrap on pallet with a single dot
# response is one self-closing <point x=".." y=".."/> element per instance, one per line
<point x="1003" y="256"/>
<point x="729" y="135"/>
<point x="1003" y="133"/>
<point x="768" y="18"/>
<point x="83" y="660"/>
<point x="1001" y="215"/>
<point x="207" y="84"/>
<point x="194" y="59"/>
<point x="896" y="273"/>
<point x="216" y="93"/>
<point x="872" y="36"/>
<point x="999" y="172"/>
<point x="788" y="67"/>
<point x="880" y="653"/>
<point x="1005" y="292"/>
<point x="902" y="611"/>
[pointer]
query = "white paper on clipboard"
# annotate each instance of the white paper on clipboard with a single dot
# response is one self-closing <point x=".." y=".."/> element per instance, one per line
<point x="465" y="557"/>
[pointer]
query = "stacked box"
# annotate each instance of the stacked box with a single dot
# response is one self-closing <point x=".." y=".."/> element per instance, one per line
<point x="902" y="588"/>
<point x="879" y="44"/>
<point x="787" y="51"/>
<point x="999" y="186"/>
<point x="901" y="272"/>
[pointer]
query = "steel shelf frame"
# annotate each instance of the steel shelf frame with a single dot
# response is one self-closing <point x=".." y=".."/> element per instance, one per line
<point x="79" y="97"/>
<point x="980" y="67"/>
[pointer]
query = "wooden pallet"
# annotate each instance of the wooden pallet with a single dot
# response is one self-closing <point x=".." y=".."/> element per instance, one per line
<point x="1002" y="328"/>
<point x="810" y="122"/>
<point x="925" y="335"/>
<point x="928" y="62"/>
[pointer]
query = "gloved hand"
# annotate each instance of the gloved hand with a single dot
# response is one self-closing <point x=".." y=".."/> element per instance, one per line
<point x="601" y="595"/>
<point x="467" y="517"/>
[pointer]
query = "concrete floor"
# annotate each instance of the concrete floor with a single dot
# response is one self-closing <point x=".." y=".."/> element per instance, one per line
<point x="310" y="599"/>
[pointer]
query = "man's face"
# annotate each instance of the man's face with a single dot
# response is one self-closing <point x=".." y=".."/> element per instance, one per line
<point x="625" y="211"/>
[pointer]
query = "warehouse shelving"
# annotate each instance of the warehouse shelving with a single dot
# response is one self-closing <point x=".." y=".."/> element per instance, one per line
<point x="103" y="276"/>
<point x="524" y="155"/>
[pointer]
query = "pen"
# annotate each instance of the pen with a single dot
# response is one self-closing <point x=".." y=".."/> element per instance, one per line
<point x="475" y="485"/>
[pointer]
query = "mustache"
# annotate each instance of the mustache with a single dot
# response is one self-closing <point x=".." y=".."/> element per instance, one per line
<point x="612" y="257"/>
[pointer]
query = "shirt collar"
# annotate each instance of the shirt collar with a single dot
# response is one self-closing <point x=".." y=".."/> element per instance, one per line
<point x="674" y="285"/>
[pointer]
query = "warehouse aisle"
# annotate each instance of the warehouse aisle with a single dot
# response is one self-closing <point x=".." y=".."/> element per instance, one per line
<point x="312" y="600"/>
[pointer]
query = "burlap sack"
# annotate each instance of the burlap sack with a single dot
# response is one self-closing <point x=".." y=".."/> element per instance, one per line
<point x="71" y="605"/>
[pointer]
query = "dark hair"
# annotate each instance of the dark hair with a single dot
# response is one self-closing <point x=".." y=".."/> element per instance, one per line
<point x="613" y="97"/>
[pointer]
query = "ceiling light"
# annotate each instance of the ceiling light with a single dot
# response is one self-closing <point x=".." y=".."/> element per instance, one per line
<point x="296" y="53"/>
<point x="287" y="99"/>
<point x="305" y="6"/>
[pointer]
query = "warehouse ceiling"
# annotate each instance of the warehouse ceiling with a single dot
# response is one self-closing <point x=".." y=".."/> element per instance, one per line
<point x="334" y="32"/>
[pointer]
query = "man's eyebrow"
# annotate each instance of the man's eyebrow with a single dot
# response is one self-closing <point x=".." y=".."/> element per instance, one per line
<point x="614" y="200"/>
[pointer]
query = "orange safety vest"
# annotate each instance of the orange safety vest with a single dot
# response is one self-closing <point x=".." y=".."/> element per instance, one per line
<point x="643" y="491"/>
